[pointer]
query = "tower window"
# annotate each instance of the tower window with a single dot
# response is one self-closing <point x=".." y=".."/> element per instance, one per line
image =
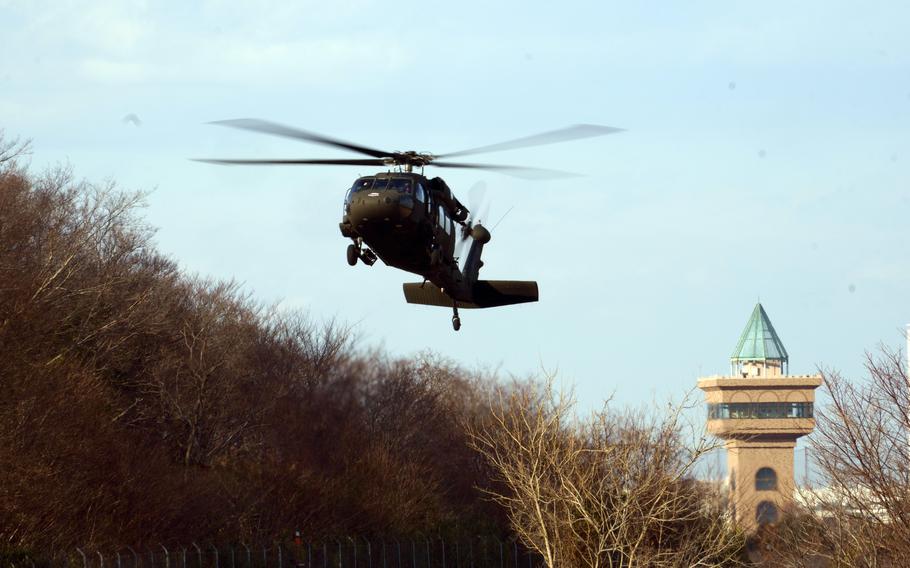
<point x="765" y="479"/>
<point x="734" y="410"/>
<point x="766" y="513"/>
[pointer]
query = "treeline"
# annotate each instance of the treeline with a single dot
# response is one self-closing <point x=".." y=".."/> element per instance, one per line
<point x="142" y="405"/>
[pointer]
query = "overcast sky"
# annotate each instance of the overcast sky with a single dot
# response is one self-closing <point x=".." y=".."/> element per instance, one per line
<point x="766" y="156"/>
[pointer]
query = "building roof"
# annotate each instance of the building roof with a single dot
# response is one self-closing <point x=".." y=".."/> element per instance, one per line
<point x="759" y="341"/>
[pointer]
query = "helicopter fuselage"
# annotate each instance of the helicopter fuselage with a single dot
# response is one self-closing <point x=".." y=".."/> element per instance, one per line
<point x="408" y="221"/>
<point x="412" y="223"/>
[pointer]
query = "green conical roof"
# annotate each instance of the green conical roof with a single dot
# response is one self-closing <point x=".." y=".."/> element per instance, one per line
<point x="759" y="341"/>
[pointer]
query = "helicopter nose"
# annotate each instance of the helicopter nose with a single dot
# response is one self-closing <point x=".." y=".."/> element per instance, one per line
<point x="383" y="207"/>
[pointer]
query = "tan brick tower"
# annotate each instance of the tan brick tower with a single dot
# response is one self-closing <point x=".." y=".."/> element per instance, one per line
<point x="760" y="411"/>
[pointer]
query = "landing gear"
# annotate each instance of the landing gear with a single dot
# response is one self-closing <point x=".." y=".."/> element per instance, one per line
<point x="456" y="321"/>
<point x="353" y="253"/>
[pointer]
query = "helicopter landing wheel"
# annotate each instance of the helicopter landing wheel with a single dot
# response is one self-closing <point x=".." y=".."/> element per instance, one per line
<point x="353" y="254"/>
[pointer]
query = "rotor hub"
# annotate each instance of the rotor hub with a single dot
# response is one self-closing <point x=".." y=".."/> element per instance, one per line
<point x="409" y="158"/>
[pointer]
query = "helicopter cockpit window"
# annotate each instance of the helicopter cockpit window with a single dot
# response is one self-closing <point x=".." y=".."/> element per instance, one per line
<point x="443" y="220"/>
<point x="362" y="184"/>
<point x="419" y="193"/>
<point x="380" y="184"/>
<point x="403" y="185"/>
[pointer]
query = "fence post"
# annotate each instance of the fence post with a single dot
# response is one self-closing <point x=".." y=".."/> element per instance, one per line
<point x="280" y="559"/>
<point x="117" y="556"/>
<point x="217" y="559"/>
<point x="354" y="544"/>
<point x="167" y="556"/>
<point x="413" y="554"/>
<point x="198" y="553"/>
<point x="232" y="557"/>
<point x="443" y="541"/>
<point x="429" y="559"/>
<point x="309" y="554"/>
<point x="183" y="556"/>
<point x="135" y="557"/>
<point x="369" y="553"/>
<point x="399" y="552"/>
<point x="84" y="559"/>
<point x="325" y="554"/>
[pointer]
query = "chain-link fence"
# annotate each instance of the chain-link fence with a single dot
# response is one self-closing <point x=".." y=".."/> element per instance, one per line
<point x="347" y="552"/>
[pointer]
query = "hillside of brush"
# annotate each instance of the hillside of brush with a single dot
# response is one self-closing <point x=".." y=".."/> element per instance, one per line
<point x="140" y="404"/>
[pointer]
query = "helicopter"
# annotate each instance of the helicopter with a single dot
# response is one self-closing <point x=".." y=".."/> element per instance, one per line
<point x="415" y="223"/>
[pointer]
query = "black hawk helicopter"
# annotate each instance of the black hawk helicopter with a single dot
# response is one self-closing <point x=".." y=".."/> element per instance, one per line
<point x="409" y="221"/>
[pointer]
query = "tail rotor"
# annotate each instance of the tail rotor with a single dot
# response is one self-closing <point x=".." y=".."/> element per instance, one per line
<point x="478" y="210"/>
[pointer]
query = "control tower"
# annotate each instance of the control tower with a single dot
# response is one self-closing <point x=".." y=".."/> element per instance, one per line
<point x="760" y="411"/>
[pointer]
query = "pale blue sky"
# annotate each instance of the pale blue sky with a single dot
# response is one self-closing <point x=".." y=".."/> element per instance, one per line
<point x="766" y="155"/>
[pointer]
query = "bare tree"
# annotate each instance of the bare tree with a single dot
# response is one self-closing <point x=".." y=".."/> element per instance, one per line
<point x="614" y="489"/>
<point x="859" y="514"/>
<point x="13" y="149"/>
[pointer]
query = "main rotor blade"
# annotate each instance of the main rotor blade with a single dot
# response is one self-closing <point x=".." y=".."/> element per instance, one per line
<point x="575" y="132"/>
<point x="363" y="162"/>
<point x="514" y="171"/>
<point x="276" y="129"/>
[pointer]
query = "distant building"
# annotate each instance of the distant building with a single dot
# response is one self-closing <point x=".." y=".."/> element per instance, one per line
<point x="760" y="411"/>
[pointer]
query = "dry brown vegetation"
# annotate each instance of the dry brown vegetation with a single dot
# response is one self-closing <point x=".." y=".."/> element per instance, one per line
<point x="613" y="489"/>
<point x="859" y="514"/>
<point x="139" y="405"/>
